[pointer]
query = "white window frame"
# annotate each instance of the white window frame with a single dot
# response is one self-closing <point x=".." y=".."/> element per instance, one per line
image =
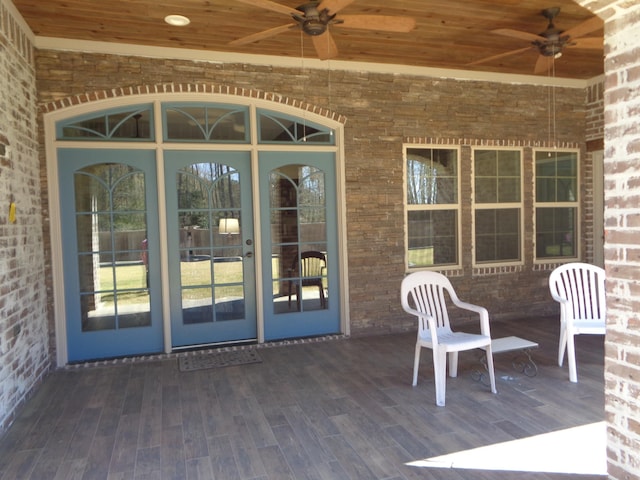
<point x="576" y="203"/>
<point x="497" y="206"/>
<point x="433" y="207"/>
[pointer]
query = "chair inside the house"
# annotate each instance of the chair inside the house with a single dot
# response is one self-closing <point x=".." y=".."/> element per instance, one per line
<point x="313" y="265"/>
<point x="424" y="294"/>
<point x="580" y="290"/>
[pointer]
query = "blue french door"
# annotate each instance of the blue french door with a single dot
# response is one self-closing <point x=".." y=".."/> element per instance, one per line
<point x="211" y="246"/>
<point x="298" y="214"/>
<point x="110" y="252"/>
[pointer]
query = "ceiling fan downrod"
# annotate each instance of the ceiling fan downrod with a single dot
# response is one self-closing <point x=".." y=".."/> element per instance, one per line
<point x="555" y="41"/>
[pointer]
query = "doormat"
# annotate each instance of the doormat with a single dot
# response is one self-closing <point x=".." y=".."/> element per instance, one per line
<point x="218" y="359"/>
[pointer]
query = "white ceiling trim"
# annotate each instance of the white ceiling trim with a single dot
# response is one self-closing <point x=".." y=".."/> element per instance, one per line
<point x="64" y="44"/>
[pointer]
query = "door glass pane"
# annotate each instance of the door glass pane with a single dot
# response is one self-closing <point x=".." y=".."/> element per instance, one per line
<point x="211" y="266"/>
<point x="196" y="305"/>
<point x="299" y="239"/>
<point x="111" y="225"/>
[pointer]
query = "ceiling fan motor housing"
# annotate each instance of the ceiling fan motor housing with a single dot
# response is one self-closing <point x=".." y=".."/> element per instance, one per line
<point x="313" y="26"/>
<point x="553" y="44"/>
<point x="312" y="21"/>
<point x="549" y="49"/>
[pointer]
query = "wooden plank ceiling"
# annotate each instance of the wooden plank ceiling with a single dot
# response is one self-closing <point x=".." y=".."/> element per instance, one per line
<point x="448" y="33"/>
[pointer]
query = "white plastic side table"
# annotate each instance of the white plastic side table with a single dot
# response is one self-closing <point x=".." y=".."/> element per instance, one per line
<point x="522" y="361"/>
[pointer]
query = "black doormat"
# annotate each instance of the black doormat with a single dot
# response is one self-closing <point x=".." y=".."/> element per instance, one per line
<point x="218" y="359"/>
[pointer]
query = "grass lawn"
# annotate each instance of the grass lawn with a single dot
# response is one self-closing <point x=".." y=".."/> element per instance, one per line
<point x="196" y="276"/>
<point x="195" y="279"/>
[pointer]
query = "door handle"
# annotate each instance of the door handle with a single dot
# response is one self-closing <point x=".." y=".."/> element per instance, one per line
<point x="248" y="255"/>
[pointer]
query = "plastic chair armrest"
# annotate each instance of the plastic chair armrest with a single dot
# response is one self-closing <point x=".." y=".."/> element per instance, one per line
<point x="481" y="311"/>
<point x="430" y="320"/>
<point x="559" y="299"/>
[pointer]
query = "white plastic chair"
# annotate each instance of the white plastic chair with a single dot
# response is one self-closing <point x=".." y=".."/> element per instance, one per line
<point x="580" y="290"/>
<point x="423" y="295"/>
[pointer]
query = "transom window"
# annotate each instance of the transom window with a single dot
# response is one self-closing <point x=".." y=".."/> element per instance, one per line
<point x="122" y="124"/>
<point x="556" y="204"/>
<point x="497" y="205"/>
<point x="194" y="122"/>
<point x="191" y="122"/>
<point x="432" y="204"/>
<point x="279" y="128"/>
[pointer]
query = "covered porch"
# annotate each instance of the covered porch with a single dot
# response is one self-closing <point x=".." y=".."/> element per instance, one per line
<point x="330" y="408"/>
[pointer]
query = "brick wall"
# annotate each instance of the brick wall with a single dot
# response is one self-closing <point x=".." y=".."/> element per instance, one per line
<point x="24" y="356"/>
<point x="594" y="103"/>
<point x="382" y="111"/>
<point x="622" y="223"/>
<point x="595" y="113"/>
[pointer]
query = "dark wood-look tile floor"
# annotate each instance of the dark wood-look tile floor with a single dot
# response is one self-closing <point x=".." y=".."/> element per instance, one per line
<point x="339" y="409"/>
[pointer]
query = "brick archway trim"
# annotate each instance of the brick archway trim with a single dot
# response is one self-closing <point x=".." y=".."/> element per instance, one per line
<point x="205" y="88"/>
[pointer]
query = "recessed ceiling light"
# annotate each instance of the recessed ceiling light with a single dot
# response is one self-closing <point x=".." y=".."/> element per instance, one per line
<point x="177" y="20"/>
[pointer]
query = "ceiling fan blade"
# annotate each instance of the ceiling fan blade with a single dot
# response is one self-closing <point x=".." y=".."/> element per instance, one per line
<point x="334" y="6"/>
<point x="543" y="64"/>
<point x="588" y="26"/>
<point x="500" y="55"/>
<point x="264" y="34"/>
<point x="385" y="23"/>
<point x="508" y="32"/>
<point x="595" y="43"/>
<point x="273" y="6"/>
<point x="325" y="46"/>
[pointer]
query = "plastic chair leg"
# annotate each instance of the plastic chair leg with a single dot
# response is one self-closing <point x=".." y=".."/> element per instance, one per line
<point x="562" y="345"/>
<point x="453" y="364"/>
<point x="440" y="373"/>
<point x="571" y="359"/>
<point x="492" y="374"/>
<point x="416" y="364"/>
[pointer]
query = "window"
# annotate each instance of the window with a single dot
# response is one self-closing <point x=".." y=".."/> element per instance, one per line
<point x="498" y="206"/>
<point x="279" y="128"/>
<point x="556" y="204"/>
<point x="120" y="124"/>
<point x="432" y="206"/>
<point x="211" y="123"/>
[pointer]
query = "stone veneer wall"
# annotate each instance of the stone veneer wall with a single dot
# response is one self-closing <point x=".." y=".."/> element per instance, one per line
<point x="24" y="354"/>
<point x="382" y="111"/>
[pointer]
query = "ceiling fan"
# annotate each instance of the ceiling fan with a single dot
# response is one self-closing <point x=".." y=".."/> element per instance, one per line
<point x="315" y="17"/>
<point x="551" y="43"/>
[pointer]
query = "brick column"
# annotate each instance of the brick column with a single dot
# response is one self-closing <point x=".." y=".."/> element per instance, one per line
<point x="622" y="249"/>
<point x="622" y="225"/>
